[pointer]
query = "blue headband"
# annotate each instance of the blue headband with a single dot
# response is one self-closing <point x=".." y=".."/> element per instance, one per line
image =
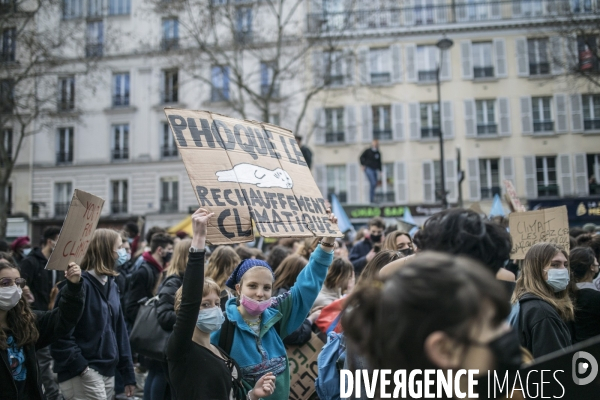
<point x="242" y="268"/>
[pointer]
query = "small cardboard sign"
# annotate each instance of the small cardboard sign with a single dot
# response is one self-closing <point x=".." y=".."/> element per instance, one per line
<point x="77" y="230"/>
<point x="303" y="368"/>
<point x="512" y="198"/>
<point x="528" y="228"/>
<point x="246" y="170"/>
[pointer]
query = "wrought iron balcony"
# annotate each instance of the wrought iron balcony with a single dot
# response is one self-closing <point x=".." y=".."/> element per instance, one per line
<point x="168" y="152"/>
<point x="94" y="50"/>
<point x="169" y="206"/>
<point x="489" y="129"/>
<point x="120" y="100"/>
<point x="385" y="197"/>
<point x="120" y="154"/>
<point x="334" y="137"/>
<point x="547" y="191"/>
<point x="64" y="157"/>
<point x="385" y="134"/>
<point x="543" y="126"/>
<point x="489" y="192"/>
<point x="61" y="209"/>
<point x="430" y="132"/>
<point x="591" y="124"/>
<point x="118" y="207"/>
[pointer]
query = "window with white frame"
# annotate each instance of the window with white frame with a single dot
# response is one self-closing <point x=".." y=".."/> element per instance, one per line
<point x="591" y="111"/>
<point x="581" y="6"/>
<point x="486" y="117"/>
<point x="243" y="24"/>
<point x="334" y="14"/>
<point x="334" y="125"/>
<point x="119" y="7"/>
<point x="547" y="183"/>
<point x="384" y="193"/>
<point x="120" y="144"/>
<point x="424" y="10"/>
<point x="170" y="92"/>
<point x="336" y="182"/>
<point x="169" y="195"/>
<point x="94" y="8"/>
<point x="120" y="89"/>
<point x="380" y="65"/>
<point x="63" y="192"/>
<point x="382" y="122"/>
<point x="170" y="32"/>
<point x="334" y="71"/>
<point x="9" y="45"/>
<point x="119" y="196"/>
<point x="427" y="62"/>
<point x="66" y="93"/>
<point x="168" y="147"/>
<point x="541" y="108"/>
<point x="489" y="177"/>
<point x="537" y="50"/>
<point x="72" y="9"/>
<point x="94" y="39"/>
<point x="64" y="146"/>
<point x="483" y="64"/>
<point x="593" y="168"/>
<point x="267" y="85"/>
<point x="430" y="120"/>
<point x="220" y="83"/>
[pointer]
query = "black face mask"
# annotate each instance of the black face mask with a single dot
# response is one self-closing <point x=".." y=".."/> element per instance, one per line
<point x="167" y="257"/>
<point x="507" y="354"/>
<point x="375" y="238"/>
<point x="407" y="252"/>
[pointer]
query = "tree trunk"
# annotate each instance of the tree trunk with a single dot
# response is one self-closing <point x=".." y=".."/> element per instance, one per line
<point x="3" y="210"/>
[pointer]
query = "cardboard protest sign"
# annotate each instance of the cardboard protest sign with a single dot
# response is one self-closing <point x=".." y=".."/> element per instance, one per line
<point x="246" y="170"/>
<point x="531" y="227"/>
<point x="304" y="368"/>
<point x="512" y="198"/>
<point x="77" y="230"/>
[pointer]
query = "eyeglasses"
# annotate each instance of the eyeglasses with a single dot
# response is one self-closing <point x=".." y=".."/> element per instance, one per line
<point x="8" y="282"/>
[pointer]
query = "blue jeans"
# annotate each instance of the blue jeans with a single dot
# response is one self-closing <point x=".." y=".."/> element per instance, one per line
<point x="372" y="177"/>
<point x="156" y="386"/>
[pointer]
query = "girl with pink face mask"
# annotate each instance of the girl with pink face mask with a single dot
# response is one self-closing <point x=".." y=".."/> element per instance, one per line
<point x="257" y="323"/>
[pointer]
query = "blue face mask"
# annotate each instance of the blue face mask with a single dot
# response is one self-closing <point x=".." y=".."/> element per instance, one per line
<point x="130" y="240"/>
<point x="210" y="319"/>
<point x="123" y="257"/>
<point x="558" y="279"/>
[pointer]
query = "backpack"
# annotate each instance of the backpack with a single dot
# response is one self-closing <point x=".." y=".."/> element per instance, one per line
<point x="330" y="361"/>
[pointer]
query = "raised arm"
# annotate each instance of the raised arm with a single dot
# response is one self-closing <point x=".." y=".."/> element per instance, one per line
<point x="191" y="297"/>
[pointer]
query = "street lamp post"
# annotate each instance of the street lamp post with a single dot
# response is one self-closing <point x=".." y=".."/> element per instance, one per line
<point x="444" y="44"/>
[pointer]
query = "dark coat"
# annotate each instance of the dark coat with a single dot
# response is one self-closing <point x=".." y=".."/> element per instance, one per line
<point x="51" y="326"/>
<point x="99" y="340"/>
<point x="165" y="308"/>
<point x="140" y="285"/>
<point x="358" y="255"/>
<point x="38" y="278"/>
<point x="371" y="159"/>
<point x="541" y="329"/>
<point x="587" y="314"/>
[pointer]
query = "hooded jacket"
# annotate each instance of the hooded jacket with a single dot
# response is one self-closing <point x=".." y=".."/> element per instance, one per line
<point x="141" y="284"/>
<point x="258" y="354"/>
<point x="51" y="325"/>
<point x="38" y="278"/>
<point x="99" y="340"/>
<point x="165" y="308"/>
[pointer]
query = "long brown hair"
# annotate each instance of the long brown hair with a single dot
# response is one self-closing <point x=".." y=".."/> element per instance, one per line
<point x="531" y="280"/>
<point x="339" y="274"/>
<point x="288" y="271"/>
<point x="221" y="264"/>
<point x="99" y="256"/>
<point x="20" y="320"/>
<point x="371" y="271"/>
<point x="390" y="240"/>
<point x="181" y="253"/>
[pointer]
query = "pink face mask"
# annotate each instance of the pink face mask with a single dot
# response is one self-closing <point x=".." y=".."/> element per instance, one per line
<point x="254" y="307"/>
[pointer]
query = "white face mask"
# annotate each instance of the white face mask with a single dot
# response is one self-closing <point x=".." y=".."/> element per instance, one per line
<point x="9" y="297"/>
<point x="26" y="251"/>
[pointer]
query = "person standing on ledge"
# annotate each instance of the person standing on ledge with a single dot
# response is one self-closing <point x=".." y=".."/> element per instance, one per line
<point x="306" y="153"/>
<point x="370" y="160"/>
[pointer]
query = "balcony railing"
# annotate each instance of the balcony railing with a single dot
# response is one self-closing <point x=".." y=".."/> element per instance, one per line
<point x="334" y="137"/>
<point x="380" y="77"/>
<point x="430" y="132"/>
<point x="219" y="94"/>
<point x="64" y="157"/>
<point x="454" y="12"/>
<point x="168" y="151"/>
<point x="490" y="192"/>
<point x="66" y="105"/>
<point x="61" y="209"/>
<point x="243" y="37"/>
<point x="120" y="100"/>
<point x="120" y="154"/>
<point x="342" y="196"/>
<point x="489" y="129"/>
<point x="94" y="50"/>
<point x="385" y="197"/>
<point x="382" y="134"/>
<point x="547" y="191"/>
<point x="483" y="72"/>
<point x="334" y="80"/>
<point x="543" y="126"/>
<point x="427" y="76"/>
<point x="169" y="44"/>
<point x="7" y="56"/>
<point x="264" y="91"/>
<point x="591" y="124"/>
<point x="170" y="96"/>
<point x="118" y="207"/>
<point x="167" y="206"/>
<point x="539" y="68"/>
<point x="594" y="188"/>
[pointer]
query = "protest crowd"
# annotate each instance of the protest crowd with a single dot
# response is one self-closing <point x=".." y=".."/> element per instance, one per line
<point x="161" y="317"/>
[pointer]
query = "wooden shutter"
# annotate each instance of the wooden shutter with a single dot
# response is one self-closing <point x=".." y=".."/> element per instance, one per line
<point x="470" y="119"/>
<point x="397" y="74"/>
<point x="508" y="171"/>
<point x="556" y="53"/>
<point x="560" y="106"/>
<point x="367" y="123"/>
<point x="363" y="61"/>
<point x="581" y="175"/>
<point x="398" y="121"/>
<point x="447" y="120"/>
<point x="530" y="177"/>
<point x="317" y="68"/>
<point x="321" y="178"/>
<point x="352" y="171"/>
<point x="473" y="178"/>
<point x="428" y="182"/>
<point x="414" y="121"/>
<point x="319" y="124"/>
<point x="565" y="175"/>
<point x="401" y="182"/>
<point x="576" y="113"/>
<point x="503" y="116"/>
<point x="466" y="59"/>
<point x="526" y="116"/>
<point x="500" y="58"/>
<point x="411" y="65"/>
<point x="522" y="56"/>
<point x="350" y="121"/>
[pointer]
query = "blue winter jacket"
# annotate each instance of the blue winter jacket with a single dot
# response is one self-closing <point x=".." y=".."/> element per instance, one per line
<point x="99" y="340"/>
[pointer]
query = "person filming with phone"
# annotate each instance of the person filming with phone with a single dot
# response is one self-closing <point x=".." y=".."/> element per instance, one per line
<point x="364" y="251"/>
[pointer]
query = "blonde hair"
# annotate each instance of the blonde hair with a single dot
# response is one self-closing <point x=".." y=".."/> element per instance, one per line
<point x="179" y="261"/>
<point x="99" y="256"/>
<point x="221" y="264"/>
<point x="390" y="240"/>
<point x="210" y="286"/>
<point x="531" y="280"/>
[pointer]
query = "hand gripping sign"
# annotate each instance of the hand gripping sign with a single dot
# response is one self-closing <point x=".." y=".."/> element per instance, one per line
<point x="246" y="170"/>
<point x="77" y="230"/>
